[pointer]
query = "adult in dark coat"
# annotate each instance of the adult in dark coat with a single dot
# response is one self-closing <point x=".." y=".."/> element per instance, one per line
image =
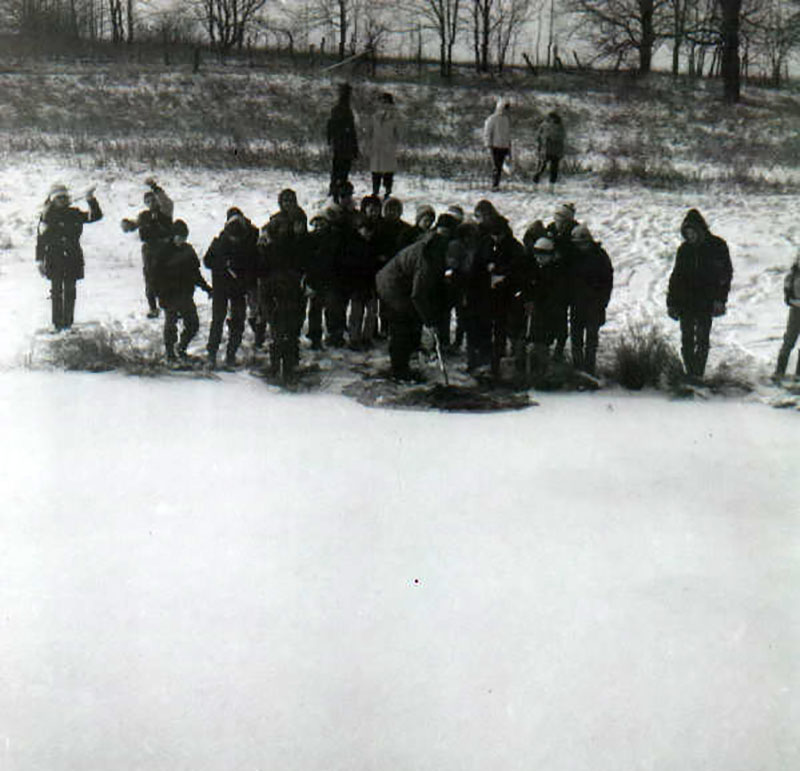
<point x="394" y="234"/>
<point x="155" y="232"/>
<point x="342" y="140"/>
<point x="58" y="250"/>
<point x="175" y="275"/>
<point x="412" y="286"/>
<point x="698" y="289"/>
<point x="592" y="282"/>
<point x="232" y="259"/>
<point x="284" y="248"/>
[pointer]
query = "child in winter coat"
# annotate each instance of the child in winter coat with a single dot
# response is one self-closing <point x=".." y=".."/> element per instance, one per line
<point x="592" y="281"/>
<point x="698" y="289"/>
<point x="791" y="295"/>
<point x="284" y="249"/>
<point x="232" y="259"/>
<point x="58" y="250"/>
<point x="175" y="275"/>
<point x="497" y="138"/>
<point x="423" y="221"/>
<point x="155" y="231"/>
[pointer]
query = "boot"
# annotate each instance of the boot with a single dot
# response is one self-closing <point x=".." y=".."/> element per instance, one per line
<point x="211" y="362"/>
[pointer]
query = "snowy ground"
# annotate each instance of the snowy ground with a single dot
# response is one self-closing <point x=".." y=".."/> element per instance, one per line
<point x="215" y="575"/>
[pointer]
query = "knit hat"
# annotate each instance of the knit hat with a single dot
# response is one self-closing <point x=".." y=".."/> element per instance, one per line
<point x="180" y="228"/>
<point x="319" y="218"/>
<point x="485" y="208"/>
<point x="581" y="235"/>
<point x="58" y="189"/>
<point x="566" y="211"/>
<point x="370" y="200"/>
<point x="533" y="233"/>
<point x="456" y="211"/>
<point x="425" y="209"/>
<point x="447" y="221"/>
<point x="233" y="212"/>
<point x="544" y="244"/>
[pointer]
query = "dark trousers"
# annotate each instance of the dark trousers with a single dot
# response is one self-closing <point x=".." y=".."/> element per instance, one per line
<point x="316" y="309"/>
<point x="148" y="269"/>
<point x="584" y="335"/>
<point x="478" y="328"/>
<point x="405" y="336"/>
<point x="386" y="177"/>
<point x="552" y="161"/>
<point x="187" y="312"/>
<point x="695" y="334"/>
<point x="789" y="339"/>
<point x="219" y="311"/>
<point x="286" y="319"/>
<point x="498" y="156"/>
<point x="340" y="171"/>
<point x="62" y="298"/>
<point x="336" y="300"/>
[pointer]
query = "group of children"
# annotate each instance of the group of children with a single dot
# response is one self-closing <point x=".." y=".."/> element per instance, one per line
<point x="358" y="273"/>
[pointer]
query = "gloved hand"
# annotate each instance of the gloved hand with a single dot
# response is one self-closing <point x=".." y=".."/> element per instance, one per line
<point x="127" y="225"/>
<point x="674" y="313"/>
<point x="718" y="309"/>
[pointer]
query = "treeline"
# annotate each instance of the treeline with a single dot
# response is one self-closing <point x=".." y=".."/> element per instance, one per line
<point x="728" y="38"/>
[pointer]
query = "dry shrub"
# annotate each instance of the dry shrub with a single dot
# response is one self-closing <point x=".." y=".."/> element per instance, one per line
<point x="643" y="357"/>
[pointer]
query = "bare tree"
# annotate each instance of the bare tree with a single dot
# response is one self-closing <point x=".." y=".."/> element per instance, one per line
<point x="620" y="28"/>
<point x="770" y="32"/>
<point x="227" y="21"/>
<point x="443" y="17"/>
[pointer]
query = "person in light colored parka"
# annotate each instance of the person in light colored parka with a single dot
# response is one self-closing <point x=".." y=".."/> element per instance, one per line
<point x="497" y="137"/>
<point x="385" y="132"/>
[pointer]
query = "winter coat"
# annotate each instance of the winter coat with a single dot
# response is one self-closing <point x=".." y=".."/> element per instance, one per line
<point x="359" y="261"/>
<point x="341" y="132"/>
<point x="497" y="128"/>
<point x="550" y="139"/>
<point x="58" y="246"/>
<point x="701" y="276"/>
<point x="592" y="281"/>
<point x="320" y="261"/>
<point x="395" y="235"/>
<point x="285" y="257"/>
<point x="383" y="140"/>
<point x="176" y="273"/>
<point x="791" y="285"/>
<point x="233" y="257"/>
<point x="413" y="280"/>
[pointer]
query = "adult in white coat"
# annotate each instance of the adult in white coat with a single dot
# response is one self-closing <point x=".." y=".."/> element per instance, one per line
<point x="497" y="137"/>
<point x="385" y="132"/>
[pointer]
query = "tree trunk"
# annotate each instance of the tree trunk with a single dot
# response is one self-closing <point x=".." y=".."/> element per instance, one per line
<point x="648" y="37"/>
<point x="731" y="10"/>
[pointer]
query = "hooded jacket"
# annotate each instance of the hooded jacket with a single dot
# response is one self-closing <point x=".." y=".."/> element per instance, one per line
<point x="497" y="128"/>
<point x="702" y="273"/>
<point x="58" y="242"/>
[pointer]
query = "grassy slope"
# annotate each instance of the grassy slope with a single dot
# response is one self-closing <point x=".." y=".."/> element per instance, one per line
<point x="654" y="131"/>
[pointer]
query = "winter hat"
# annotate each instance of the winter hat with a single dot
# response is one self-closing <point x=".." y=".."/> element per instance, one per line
<point x="180" y="228"/>
<point x="566" y="211"/>
<point x="345" y="188"/>
<point x="58" y="189"/>
<point x="456" y="211"/>
<point x="533" y="233"/>
<point x="467" y="231"/>
<point x="544" y="244"/>
<point x="424" y="209"/>
<point x="320" y="218"/>
<point x="370" y="200"/>
<point x="393" y="203"/>
<point x="581" y="235"/>
<point x="485" y="208"/>
<point x="694" y="219"/>
<point x="232" y="213"/>
<point x="447" y="222"/>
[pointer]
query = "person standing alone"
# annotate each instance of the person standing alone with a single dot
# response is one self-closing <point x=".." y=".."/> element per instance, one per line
<point x="342" y="140"/>
<point x="58" y="250"/>
<point x="497" y="137"/>
<point x="383" y="145"/>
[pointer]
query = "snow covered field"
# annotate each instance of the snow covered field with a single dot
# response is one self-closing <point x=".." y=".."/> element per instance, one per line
<point x="215" y="575"/>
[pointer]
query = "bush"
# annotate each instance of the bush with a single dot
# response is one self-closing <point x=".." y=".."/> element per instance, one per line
<point x="97" y="348"/>
<point x="642" y="356"/>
